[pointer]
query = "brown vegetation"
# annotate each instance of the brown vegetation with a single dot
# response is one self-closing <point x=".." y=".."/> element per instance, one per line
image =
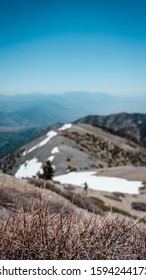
<point x="141" y="206"/>
<point x="76" y="199"/>
<point x="106" y="150"/>
<point x="33" y="231"/>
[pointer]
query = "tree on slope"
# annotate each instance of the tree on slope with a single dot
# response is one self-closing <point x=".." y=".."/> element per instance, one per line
<point x="48" y="171"/>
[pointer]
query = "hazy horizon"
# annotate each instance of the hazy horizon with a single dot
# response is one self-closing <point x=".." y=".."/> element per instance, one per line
<point x="77" y="104"/>
<point x="22" y="93"/>
<point x="59" y="46"/>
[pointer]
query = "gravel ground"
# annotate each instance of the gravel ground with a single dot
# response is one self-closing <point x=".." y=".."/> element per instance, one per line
<point x="127" y="172"/>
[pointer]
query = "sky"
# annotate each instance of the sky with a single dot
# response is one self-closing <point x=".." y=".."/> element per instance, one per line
<point x="60" y="45"/>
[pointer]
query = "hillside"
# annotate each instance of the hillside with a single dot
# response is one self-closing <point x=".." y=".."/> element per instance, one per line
<point x="133" y="125"/>
<point x="12" y="139"/>
<point x="61" y="222"/>
<point x="114" y="168"/>
<point x="76" y="147"/>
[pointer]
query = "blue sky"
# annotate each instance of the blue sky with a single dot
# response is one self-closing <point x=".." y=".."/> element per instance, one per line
<point x="57" y="46"/>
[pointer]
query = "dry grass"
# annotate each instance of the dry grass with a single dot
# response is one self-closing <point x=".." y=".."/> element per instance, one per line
<point x="76" y="199"/>
<point x="34" y="232"/>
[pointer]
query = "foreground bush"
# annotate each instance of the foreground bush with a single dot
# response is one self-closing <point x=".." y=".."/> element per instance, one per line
<point x="38" y="234"/>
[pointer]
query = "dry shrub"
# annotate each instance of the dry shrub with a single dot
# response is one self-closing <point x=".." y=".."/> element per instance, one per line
<point x="12" y="200"/>
<point x="41" y="229"/>
<point x="38" y="234"/>
<point x="118" y="194"/>
<point x="76" y="199"/>
<point x="113" y="197"/>
<point x="140" y="206"/>
<point x="8" y="196"/>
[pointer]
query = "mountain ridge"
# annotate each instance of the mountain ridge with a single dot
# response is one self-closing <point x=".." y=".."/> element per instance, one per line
<point x="81" y="147"/>
<point x="132" y="125"/>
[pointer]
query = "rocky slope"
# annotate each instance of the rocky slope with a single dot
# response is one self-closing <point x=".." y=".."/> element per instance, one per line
<point x="133" y="125"/>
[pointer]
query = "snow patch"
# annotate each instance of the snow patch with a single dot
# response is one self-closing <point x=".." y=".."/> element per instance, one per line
<point x="110" y="184"/>
<point x="32" y="149"/>
<point x="29" y="169"/>
<point x="55" y="150"/>
<point x="50" y="135"/>
<point x="54" y="168"/>
<point x="50" y="158"/>
<point x="65" y="126"/>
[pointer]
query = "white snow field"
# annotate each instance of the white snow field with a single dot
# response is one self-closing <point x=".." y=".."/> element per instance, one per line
<point x="50" y="135"/>
<point x="55" y="150"/>
<point x="65" y="126"/>
<point x="29" y="169"/>
<point x="110" y="184"/>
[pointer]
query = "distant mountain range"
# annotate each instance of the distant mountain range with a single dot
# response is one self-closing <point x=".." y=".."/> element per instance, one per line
<point x="47" y="109"/>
